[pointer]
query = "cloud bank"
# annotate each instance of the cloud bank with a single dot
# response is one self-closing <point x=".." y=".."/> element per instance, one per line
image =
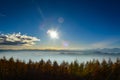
<point x="105" y="43"/>
<point x="17" y="39"/>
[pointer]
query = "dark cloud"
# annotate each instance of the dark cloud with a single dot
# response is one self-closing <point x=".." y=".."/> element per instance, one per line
<point x="17" y="39"/>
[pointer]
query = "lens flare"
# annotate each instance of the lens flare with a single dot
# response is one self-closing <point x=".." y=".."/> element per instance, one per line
<point x="65" y="44"/>
<point x="60" y="19"/>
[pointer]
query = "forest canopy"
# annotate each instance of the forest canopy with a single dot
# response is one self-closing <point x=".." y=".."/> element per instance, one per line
<point x="46" y="70"/>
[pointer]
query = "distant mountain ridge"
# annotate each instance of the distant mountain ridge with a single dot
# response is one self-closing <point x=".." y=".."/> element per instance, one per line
<point x="90" y="51"/>
<point x="109" y="50"/>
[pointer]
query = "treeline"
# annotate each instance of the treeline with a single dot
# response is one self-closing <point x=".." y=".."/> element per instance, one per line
<point x="93" y="70"/>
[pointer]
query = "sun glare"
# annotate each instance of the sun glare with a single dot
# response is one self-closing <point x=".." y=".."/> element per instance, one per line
<point x="53" y="34"/>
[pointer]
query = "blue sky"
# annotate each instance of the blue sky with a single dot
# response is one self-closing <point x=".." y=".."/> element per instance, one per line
<point x="85" y="23"/>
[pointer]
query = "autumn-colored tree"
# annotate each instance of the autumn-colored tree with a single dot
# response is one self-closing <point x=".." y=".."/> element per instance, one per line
<point x="46" y="70"/>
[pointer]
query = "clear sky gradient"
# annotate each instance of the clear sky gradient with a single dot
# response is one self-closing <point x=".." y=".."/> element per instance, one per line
<point x="81" y="24"/>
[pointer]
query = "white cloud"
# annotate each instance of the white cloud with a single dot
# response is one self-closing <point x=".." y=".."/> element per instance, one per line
<point x="105" y="43"/>
<point x="17" y="39"/>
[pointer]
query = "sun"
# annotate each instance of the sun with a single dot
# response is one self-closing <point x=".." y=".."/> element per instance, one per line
<point x="53" y="34"/>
